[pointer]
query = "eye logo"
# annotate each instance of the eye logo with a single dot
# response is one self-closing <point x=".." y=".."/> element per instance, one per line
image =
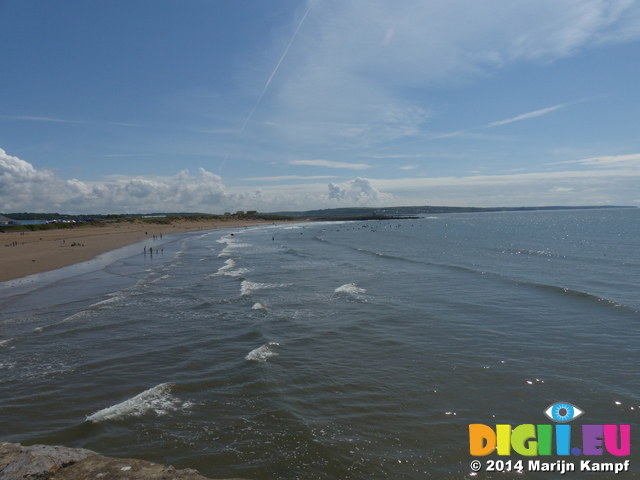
<point x="563" y="412"/>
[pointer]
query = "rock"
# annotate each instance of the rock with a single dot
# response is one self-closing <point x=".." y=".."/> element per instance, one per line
<point x="38" y="461"/>
<point x="44" y="462"/>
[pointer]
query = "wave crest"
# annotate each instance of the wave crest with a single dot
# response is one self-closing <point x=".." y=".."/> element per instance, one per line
<point x="261" y="354"/>
<point x="350" y="288"/>
<point x="157" y="399"/>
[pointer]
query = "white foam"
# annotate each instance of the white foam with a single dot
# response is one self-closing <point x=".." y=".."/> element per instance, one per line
<point x="261" y="354"/>
<point x="227" y="270"/>
<point x="228" y="265"/>
<point x="161" y="278"/>
<point x="157" y="399"/>
<point x="106" y="304"/>
<point x="247" y="287"/>
<point x="258" y="306"/>
<point x="75" y="316"/>
<point x="349" y="288"/>
<point x="5" y="343"/>
<point x="232" y="245"/>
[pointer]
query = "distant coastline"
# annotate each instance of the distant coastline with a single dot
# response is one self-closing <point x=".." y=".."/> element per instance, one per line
<point x="430" y="210"/>
<point x="36" y="248"/>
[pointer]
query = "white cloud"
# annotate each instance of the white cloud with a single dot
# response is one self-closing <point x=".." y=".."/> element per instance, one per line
<point x="331" y="164"/>
<point x="22" y="187"/>
<point x="359" y="191"/>
<point x="337" y="192"/>
<point x="347" y="75"/>
<point x="408" y="167"/>
<point x="25" y="188"/>
<point x="61" y="120"/>
<point x="288" y="177"/>
<point x="610" y="161"/>
<point x="38" y="119"/>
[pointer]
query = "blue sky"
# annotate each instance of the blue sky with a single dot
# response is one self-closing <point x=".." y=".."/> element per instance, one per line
<point x="210" y="106"/>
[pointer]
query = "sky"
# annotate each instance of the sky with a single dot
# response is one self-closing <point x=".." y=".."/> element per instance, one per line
<point x="113" y="106"/>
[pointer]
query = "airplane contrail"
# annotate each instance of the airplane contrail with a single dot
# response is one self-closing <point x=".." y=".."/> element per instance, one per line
<point x="274" y="71"/>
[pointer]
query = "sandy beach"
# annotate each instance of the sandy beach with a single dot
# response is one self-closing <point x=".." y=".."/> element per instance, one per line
<point x="41" y="251"/>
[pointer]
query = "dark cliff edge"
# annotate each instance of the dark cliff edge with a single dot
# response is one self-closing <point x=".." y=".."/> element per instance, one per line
<point x="43" y="462"/>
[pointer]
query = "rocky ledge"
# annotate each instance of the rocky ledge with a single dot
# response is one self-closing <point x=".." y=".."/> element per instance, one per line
<point x="44" y="462"/>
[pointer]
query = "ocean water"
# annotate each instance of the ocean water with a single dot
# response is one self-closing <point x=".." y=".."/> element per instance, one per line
<point x="353" y="350"/>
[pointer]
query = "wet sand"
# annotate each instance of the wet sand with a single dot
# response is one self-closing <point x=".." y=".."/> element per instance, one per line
<point x="41" y="251"/>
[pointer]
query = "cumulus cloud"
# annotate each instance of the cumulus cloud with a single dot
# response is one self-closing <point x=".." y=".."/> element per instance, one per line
<point x="23" y="187"/>
<point x="26" y="188"/>
<point x="359" y="191"/>
<point x="336" y="191"/>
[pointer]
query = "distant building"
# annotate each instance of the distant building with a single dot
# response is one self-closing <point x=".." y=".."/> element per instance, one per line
<point x="6" y="221"/>
<point x="227" y="213"/>
<point x="251" y="212"/>
<point x="240" y="212"/>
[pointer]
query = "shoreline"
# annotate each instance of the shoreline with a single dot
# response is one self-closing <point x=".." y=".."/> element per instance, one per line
<point x="42" y="251"/>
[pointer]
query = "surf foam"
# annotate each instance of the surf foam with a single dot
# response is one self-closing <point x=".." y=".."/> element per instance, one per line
<point x="350" y="288"/>
<point x="261" y="354"/>
<point x="157" y="399"/>
<point x="227" y="269"/>
<point x="247" y="287"/>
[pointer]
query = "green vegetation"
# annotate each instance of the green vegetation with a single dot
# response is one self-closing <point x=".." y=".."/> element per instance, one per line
<point x="35" y="228"/>
<point x="101" y="220"/>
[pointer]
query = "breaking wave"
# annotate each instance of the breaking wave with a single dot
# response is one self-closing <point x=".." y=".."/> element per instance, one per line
<point x="157" y="400"/>
<point x="232" y="246"/>
<point x="261" y="354"/>
<point x="227" y="269"/>
<point x="350" y="288"/>
<point x="5" y="343"/>
<point x="247" y="287"/>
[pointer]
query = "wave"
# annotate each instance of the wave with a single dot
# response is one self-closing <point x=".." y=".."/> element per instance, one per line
<point x="157" y="399"/>
<point x="106" y="304"/>
<point x="350" y="288"/>
<point x="7" y="342"/>
<point x="227" y="270"/>
<point x="546" y="253"/>
<point x="232" y="245"/>
<point x="261" y="354"/>
<point x="258" y="306"/>
<point x="247" y="287"/>
<point x="75" y="316"/>
<point x="580" y="294"/>
<point x="164" y="277"/>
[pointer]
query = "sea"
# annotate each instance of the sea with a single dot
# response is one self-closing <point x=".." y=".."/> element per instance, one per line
<point x="335" y="350"/>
